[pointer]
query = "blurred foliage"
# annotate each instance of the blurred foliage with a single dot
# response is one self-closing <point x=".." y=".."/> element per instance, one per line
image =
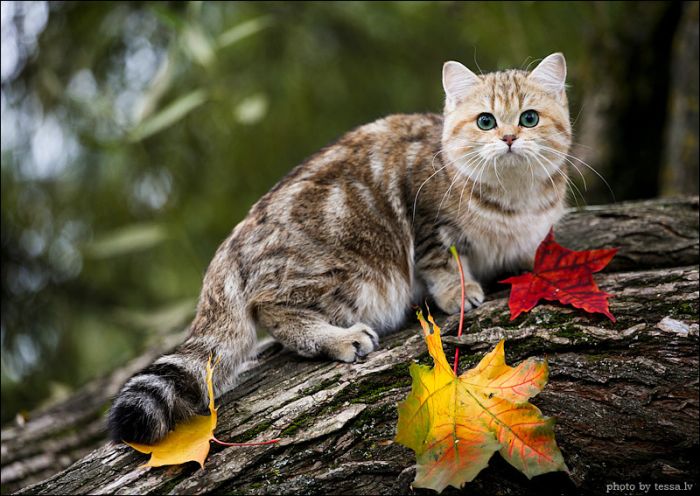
<point x="136" y="135"/>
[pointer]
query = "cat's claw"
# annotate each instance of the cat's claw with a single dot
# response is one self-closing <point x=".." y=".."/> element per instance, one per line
<point x="449" y="302"/>
<point x="474" y="298"/>
<point x="355" y="342"/>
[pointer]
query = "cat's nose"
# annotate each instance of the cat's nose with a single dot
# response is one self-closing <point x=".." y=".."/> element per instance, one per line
<point x="509" y="138"/>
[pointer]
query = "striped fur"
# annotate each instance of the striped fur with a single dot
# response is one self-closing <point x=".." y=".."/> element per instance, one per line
<point x="336" y="253"/>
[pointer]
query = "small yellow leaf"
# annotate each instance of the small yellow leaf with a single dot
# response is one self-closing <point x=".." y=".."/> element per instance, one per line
<point x="189" y="441"/>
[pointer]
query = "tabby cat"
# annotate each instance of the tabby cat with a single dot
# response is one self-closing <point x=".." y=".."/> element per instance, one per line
<point x="336" y="253"/>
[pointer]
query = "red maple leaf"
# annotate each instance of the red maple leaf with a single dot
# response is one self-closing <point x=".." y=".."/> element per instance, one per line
<point x="561" y="275"/>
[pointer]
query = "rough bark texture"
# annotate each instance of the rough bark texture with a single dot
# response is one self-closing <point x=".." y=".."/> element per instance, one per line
<point x="625" y="395"/>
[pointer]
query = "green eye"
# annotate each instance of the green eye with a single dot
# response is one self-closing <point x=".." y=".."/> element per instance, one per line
<point x="529" y="118"/>
<point x="486" y="121"/>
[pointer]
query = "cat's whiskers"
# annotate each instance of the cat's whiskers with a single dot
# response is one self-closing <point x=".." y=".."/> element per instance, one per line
<point x="575" y="119"/>
<point x="446" y="194"/>
<point x="532" y="174"/>
<point x="443" y="150"/>
<point x="549" y="176"/>
<point x="480" y="164"/>
<point x="540" y="143"/>
<point x="446" y="164"/>
<point x="432" y="162"/>
<point x="486" y="163"/>
<point x="482" y="167"/>
<point x="495" y="170"/>
<point x="456" y="178"/>
<point x="446" y="149"/>
<point x="415" y="200"/>
<point x="578" y="171"/>
<point x="481" y="193"/>
<point x="568" y="158"/>
<point x="467" y="169"/>
<point x="473" y="163"/>
<point x="574" y="188"/>
<point x="572" y="185"/>
<point x="469" y="164"/>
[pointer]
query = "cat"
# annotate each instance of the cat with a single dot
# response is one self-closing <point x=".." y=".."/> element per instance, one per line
<point x="336" y="253"/>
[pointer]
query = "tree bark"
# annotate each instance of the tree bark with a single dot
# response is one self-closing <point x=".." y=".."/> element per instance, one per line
<point x="624" y="394"/>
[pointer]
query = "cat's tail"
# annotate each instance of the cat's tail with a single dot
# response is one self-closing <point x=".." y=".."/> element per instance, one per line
<point x="173" y="388"/>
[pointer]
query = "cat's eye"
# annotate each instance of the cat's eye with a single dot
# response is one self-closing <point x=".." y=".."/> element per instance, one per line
<point x="529" y="118"/>
<point x="486" y="121"/>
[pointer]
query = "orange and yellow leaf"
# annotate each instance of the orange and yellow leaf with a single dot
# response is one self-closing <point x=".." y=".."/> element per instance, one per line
<point x="455" y="423"/>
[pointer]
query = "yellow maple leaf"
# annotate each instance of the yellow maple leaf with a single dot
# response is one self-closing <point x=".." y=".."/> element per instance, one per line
<point x="455" y="423"/>
<point x="189" y="441"/>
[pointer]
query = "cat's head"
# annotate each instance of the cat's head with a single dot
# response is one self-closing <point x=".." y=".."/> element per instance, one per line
<point x="506" y="126"/>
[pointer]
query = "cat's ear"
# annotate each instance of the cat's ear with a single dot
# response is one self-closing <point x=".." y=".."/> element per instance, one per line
<point x="457" y="81"/>
<point x="551" y="73"/>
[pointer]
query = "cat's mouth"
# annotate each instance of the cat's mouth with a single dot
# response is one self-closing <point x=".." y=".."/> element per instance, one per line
<point x="510" y="153"/>
<point x="510" y="157"/>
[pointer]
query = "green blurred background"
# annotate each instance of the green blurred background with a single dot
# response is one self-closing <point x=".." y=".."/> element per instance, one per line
<point x="136" y="135"/>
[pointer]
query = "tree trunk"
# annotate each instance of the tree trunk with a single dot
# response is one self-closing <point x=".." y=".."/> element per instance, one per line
<point x="679" y="173"/>
<point x="625" y="108"/>
<point x="625" y="394"/>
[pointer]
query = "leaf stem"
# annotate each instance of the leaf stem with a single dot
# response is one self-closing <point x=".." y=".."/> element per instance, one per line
<point x="272" y="441"/>
<point x="453" y="250"/>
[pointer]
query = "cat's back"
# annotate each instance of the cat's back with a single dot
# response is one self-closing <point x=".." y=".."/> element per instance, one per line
<point x="368" y="153"/>
<point x="368" y="168"/>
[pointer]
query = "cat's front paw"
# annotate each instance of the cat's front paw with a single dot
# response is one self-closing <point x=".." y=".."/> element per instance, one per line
<point x="352" y="343"/>
<point x="449" y="299"/>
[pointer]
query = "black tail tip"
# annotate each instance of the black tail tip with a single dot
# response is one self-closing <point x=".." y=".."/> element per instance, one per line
<point x="132" y="423"/>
